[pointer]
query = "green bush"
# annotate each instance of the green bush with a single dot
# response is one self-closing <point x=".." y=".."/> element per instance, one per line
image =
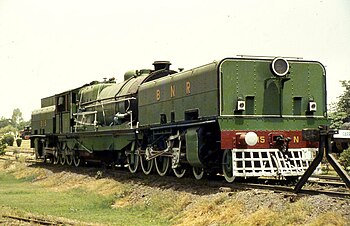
<point x="344" y="158"/>
<point x="2" y="147"/>
<point x="19" y="142"/>
<point x="8" y="139"/>
<point x="7" y="129"/>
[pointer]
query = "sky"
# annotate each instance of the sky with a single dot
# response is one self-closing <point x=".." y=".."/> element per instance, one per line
<point x="47" y="46"/>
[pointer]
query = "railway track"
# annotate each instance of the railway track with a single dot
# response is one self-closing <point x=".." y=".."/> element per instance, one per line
<point x="219" y="183"/>
<point x="33" y="220"/>
<point x="324" y="184"/>
<point x="327" y="180"/>
<point x="289" y="189"/>
<point x="327" y="177"/>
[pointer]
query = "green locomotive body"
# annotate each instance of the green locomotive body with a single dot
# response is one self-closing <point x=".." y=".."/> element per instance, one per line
<point x="242" y="117"/>
<point x="231" y="98"/>
<point x="180" y="97"/>
<point x="93" y="123"/>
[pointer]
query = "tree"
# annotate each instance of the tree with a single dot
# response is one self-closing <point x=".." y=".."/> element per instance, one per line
<point x="7" y="129"/>
<point x="340" y="111"/>
<point x="344" y="99"/>
<point x="344" y="158"/>
<point x="4" y="122"/>
<point x="14" y="124"/>
<point x="340" y="118"/>
<point x="17" y="119"/>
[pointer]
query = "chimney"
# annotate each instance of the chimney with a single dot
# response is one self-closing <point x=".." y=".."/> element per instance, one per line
<point x="161" y="65"/>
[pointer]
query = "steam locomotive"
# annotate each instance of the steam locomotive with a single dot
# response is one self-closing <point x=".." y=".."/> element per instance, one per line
<point x="240" y="117"/>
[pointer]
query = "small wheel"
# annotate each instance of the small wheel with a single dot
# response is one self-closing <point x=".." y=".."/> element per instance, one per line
<point x="76" y="160"/>
<point x="146" y="165"/>
<point x="69" y="160"/>
<point x="198" y="172"/>
<point x="162" y="165"/>
<point x="133" y="162"/>
<point x="56" y="158"/>
<point x="62" y="159"/>
<point x="179" y="172"/>
<point x="227" y="166"/>
<point x="68" y="155"/>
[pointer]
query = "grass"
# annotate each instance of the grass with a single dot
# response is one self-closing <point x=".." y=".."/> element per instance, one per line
<point x="76" y="197"/>
<point x="77" y="204"/>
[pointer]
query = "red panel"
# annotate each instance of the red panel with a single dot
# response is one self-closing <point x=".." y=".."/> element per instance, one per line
<point x="265" y="139"/>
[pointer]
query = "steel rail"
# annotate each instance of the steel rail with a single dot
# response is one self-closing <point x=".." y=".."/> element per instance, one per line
<point x="280" y="188"/>
<point x="35" y="220"/>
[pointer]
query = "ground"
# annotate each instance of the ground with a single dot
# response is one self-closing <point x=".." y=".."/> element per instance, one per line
<point x="96" y="196"/>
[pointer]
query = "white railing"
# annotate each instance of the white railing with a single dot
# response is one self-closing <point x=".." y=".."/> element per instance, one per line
<point x="82" y="122"/>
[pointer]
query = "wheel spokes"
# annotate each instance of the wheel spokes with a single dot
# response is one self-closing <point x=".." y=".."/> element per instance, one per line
<point x="146" y="165"/>
<point x="76" y="160"/>
<point x="179" y="172"/>
<point x="55" y="157"/>
<point x="69" y="160"/>
<point x="133" y="162"/>
<point x="62" y="159"/>
<point x="198" y="172"/>
<point x="227" y="166"/>
<point x="162" y="165"/>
